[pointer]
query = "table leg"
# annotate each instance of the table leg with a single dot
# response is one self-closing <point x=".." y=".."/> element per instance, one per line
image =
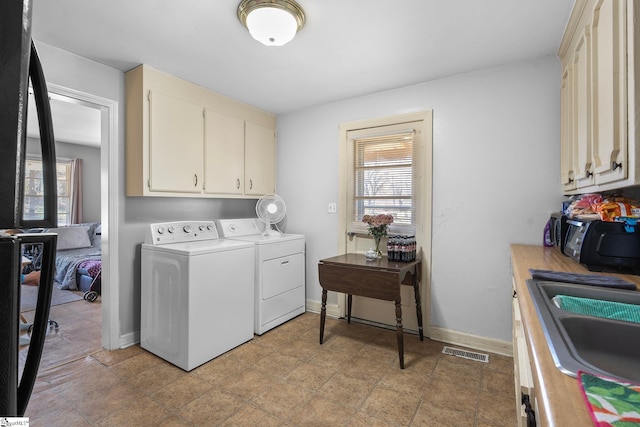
<point x="323" y="313"/>
<point x="349" y="303"/>
<point x="399" y="333"/>
<point x="416" y="289"/>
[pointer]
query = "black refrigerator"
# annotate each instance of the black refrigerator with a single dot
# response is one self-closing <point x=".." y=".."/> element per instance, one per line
<point x="20" y="69"/>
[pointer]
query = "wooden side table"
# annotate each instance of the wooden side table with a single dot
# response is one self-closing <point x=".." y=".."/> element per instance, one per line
<point x="353" y="274"/>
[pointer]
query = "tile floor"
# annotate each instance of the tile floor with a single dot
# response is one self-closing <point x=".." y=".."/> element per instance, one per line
<point x="282" y="378"/>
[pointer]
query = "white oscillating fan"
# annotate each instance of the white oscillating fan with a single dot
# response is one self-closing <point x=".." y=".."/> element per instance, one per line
<point x="271" y="209"/>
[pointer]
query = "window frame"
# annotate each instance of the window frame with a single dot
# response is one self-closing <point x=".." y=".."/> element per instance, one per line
<point x="380" y="132"/>
<point x="387" y="139"/>
<point x="66" y="163"/>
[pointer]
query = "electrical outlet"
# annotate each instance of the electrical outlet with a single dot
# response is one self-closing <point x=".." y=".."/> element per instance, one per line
<point x="333" y="208"/>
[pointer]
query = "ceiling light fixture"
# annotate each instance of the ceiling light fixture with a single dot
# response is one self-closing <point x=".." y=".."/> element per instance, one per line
<point x="271" y="22"/>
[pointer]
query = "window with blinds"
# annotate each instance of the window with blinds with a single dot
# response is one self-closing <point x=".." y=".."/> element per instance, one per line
<point x="34" y="190"/>
<point x="383" y="178"/>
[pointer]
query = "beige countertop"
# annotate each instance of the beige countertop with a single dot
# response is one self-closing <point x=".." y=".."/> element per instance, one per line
<point x="560" y="402"/>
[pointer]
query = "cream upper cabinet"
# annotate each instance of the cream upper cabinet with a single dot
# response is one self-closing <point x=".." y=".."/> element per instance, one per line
<point x="176" y="137"/>
<point x="183" y="140"/>
<point x="598" y="103"/>
<point x="581" y="78"/>
<point x="259" y="160"/>
<point x="223" y="153"/>
<point x="609" y="65"/>
<point x="568" y="158"/>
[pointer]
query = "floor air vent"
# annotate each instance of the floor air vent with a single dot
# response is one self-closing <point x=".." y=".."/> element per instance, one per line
<point x="471" y="355"/>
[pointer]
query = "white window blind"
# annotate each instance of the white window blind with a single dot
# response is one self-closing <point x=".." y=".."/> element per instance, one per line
<point x="34" y="190"/>
<point x="383" y="179"/>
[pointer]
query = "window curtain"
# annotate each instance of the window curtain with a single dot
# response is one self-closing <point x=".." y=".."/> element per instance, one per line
<point x="75" y="208"/>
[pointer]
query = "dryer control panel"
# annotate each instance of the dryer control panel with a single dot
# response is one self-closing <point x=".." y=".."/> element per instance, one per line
<point x="230" y="228"/>
<point x="180" y="231"/>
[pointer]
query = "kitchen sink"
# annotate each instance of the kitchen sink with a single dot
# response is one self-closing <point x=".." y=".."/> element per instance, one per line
<point x="582" y="342"/>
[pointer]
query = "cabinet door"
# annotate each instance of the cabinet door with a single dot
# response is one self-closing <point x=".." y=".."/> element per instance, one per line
<point x="521" y="363"/>
<point x="260" y="160"/>
<point x="176" y="138"/>
<point x="581" y="86"/>
<point x="223" y="153"/>
<point x="609" y="91"/>
<point x="567" y="152"/>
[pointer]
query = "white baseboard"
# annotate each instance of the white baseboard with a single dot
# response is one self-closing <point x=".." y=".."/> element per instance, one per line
<point x="471" y="341"/>
<point x="315" y="307"/>
<point x="127" y="340"/>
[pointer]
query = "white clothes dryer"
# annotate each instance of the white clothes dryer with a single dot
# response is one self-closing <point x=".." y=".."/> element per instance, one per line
<point x="196" y="292"/>
<point x="279" y="271"/>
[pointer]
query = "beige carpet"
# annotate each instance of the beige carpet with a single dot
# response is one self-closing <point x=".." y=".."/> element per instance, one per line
<point x="29" y="297"/>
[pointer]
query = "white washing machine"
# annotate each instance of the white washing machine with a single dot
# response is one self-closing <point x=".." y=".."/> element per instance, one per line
<point x="279" y="271"/>
<point x="197" y="292"/>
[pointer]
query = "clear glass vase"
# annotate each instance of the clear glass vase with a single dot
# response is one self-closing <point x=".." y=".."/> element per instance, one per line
<point x="374" y="253"/>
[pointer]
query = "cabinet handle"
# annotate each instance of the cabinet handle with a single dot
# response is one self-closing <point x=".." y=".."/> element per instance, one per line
<point x="528" y="409"/>
<point x="589" y="174"/>
<point x="195" y="179"/>
<point x="615" y="165"/>
<point x="237" y="183"/>
<point x="250" y="184"/>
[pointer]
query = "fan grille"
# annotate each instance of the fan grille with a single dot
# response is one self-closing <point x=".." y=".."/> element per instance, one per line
<point x="271" y="208"/>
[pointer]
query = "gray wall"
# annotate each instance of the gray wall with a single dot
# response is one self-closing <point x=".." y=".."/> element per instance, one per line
<point x="90" y="176"/>
<point x="496" y="176"/>
<point x="90" y="173"/>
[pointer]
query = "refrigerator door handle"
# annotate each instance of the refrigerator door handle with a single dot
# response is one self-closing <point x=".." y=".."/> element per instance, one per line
<point x="47" y="145"/>
<point x="41" y="320"/>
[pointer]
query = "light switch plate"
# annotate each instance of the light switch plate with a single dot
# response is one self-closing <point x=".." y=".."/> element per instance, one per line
<point x="333" y="208"/>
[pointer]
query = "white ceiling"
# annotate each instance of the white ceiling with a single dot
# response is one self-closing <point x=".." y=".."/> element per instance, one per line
<point x="347" y="48"/>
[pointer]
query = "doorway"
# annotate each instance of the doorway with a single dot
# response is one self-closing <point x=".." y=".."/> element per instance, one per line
<point x="108" y="134"/>
<point x="353" y="235"/>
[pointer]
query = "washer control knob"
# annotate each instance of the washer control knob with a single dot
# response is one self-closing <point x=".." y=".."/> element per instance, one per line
<point x="186" y="229"/>
<point x="160" y="230"/>
<point x="202" y="228"/>
<point x="209" y="227"/>
<point x="171" y="229"/>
